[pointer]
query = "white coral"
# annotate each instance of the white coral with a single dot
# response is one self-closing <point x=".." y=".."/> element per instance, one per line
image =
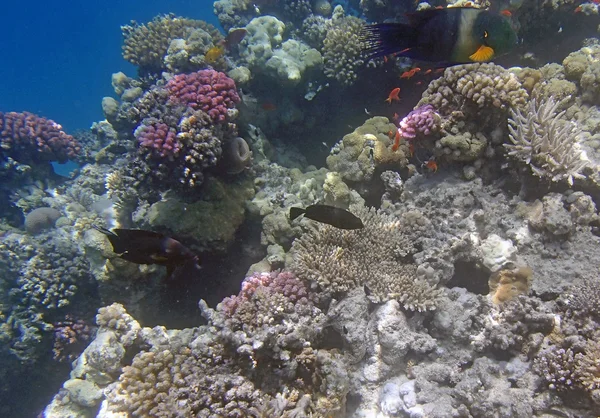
<point x="547" y="143"/>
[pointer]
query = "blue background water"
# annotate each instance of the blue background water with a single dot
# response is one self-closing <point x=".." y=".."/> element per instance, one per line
<point x="57" y="57"/>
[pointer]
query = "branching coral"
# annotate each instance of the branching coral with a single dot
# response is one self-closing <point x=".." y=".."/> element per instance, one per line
<point x="377" y="256"/>
<point x="146" y="45"/>
<point x="342" y="50"/>
<point x="546" y="142"/>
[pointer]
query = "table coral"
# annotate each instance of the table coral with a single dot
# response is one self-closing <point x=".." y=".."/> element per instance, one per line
<point x="30" y="138"/>
<point x="376" y="256"/>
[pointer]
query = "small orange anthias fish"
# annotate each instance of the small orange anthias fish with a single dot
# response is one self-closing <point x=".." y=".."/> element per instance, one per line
<point x="268" y="106"/>
<point x="393" y="96"/>
<point x="410" y="73"/>
<point x="506" y="13"/>
<point x="431" y="165"/>
<point x="396" y="141"/>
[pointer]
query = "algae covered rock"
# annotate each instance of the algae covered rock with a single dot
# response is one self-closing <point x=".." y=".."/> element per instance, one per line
<point x="207" y="224"/>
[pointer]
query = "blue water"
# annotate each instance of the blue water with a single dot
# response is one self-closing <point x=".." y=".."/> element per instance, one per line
<point x="57" y="57"/>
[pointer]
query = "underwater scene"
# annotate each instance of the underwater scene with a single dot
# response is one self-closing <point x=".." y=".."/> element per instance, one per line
<point x="300" y="209"/>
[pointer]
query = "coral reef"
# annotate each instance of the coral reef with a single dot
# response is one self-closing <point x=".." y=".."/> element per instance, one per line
<point x="146" y="45"/>
<point x="546" y="142"/>
<point x="41" y="218"/>
<point x="210" y="91"/>
<point x="29" y="138"/>
<point x="377" y="257"/>
<point x="422" y="121"/>
<point x="342" y="50"/>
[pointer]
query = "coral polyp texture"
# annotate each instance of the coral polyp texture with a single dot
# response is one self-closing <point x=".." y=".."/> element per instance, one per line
<point x="377" y="257"/>
<point x="26" y="138"/>
<point x="159" y="139"/>
<point x="146" y="45"/>
<point x="208" y="90"/>
<point x="541" y="138"/>
<point x="342" y="50"/>
<point x="422" y="121"/>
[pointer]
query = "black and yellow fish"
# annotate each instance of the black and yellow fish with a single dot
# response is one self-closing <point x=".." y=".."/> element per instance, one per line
<point x="330" y="215"/>
<point x="148" y="247"/>
<point x="446" y="36"/>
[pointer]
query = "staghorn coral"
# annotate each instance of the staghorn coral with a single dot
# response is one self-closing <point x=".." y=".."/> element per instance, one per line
<point x="588" y="368"/>
<point x="583" y="299"/>
<point x="377" y="256"/>
<point x="557" y="367"/>
<point x="342" y="50"/>
<point x="146" y="45"/>
<point x="545" y="142"/>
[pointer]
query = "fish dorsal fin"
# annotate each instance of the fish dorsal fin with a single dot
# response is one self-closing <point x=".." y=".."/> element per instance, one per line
<point x="418" y="18"/>
<point x="484" y="53"/>
<point x="136" y="233"/>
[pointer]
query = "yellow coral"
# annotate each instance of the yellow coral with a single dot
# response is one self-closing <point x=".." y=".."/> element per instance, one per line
<point x="506" y="284"/>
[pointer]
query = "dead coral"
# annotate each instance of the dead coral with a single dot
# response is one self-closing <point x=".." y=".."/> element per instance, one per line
<point x="378" y="256"/>
<point x="508" y="283"/>
<point x="547" y="143"/>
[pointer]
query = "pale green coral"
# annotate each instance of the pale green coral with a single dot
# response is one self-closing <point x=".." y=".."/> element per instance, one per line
<point x="359" y="153"/>
<point x="342" y="50"/>
<point x="463" y="147"/>
<point x="210" y="223"/>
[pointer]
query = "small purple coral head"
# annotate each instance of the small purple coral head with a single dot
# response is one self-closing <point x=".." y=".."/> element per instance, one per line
<point x="159" y="139"/>
<point x="28" y="137"/>
<point x="422" y="121"/>
<point x="283" y="283"/>
<point x="208" y="90"/>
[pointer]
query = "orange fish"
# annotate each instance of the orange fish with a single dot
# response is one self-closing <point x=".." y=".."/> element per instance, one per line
<point x="427" y="72"/>
<point x="578" y="9"/>
<point x="411" y="148"/>
<point x="385" y="59"/>
<point x="396" y="141"/>
<point x="506" y="13"/>
<point x="268" y="106"/>
<point x="390" y="134"/>
<point x="393" y="96"/>
<point x="432" y="165"/>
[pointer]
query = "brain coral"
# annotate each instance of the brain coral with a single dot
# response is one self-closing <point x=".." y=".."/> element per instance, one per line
<point x="359" y="153"/>
<point x="146" y="45"/>
<point x="41" y="218"/>
<point x="377" y="256"/>
<point x="342" y="50"/>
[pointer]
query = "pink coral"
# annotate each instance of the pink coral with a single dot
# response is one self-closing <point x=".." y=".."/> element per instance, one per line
<point x="422" y="121"/>
<point x="159" y="139"/>
<point x="27" y="137"/>
<point x="207" y="90"/>
<point x="282" y="283"/>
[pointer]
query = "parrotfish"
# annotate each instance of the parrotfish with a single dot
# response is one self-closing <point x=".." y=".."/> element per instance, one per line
<point x="339" y="218"/>
<point x="446" y="36"/>
<point x="148" y="247"/>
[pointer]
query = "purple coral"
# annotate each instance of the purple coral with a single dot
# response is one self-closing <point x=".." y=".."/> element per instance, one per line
<point x="207" y="90"/>
<point x="28" y="137"/>
<point x="71" y="336"/>
<point x="281" y="283"/>
<point x="424" y="120"/>
<point x="159" y="139"/>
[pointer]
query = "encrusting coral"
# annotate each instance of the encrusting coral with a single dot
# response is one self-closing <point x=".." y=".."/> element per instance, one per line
<point x="377" y="256"/>
<point x="546" y="142"/>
